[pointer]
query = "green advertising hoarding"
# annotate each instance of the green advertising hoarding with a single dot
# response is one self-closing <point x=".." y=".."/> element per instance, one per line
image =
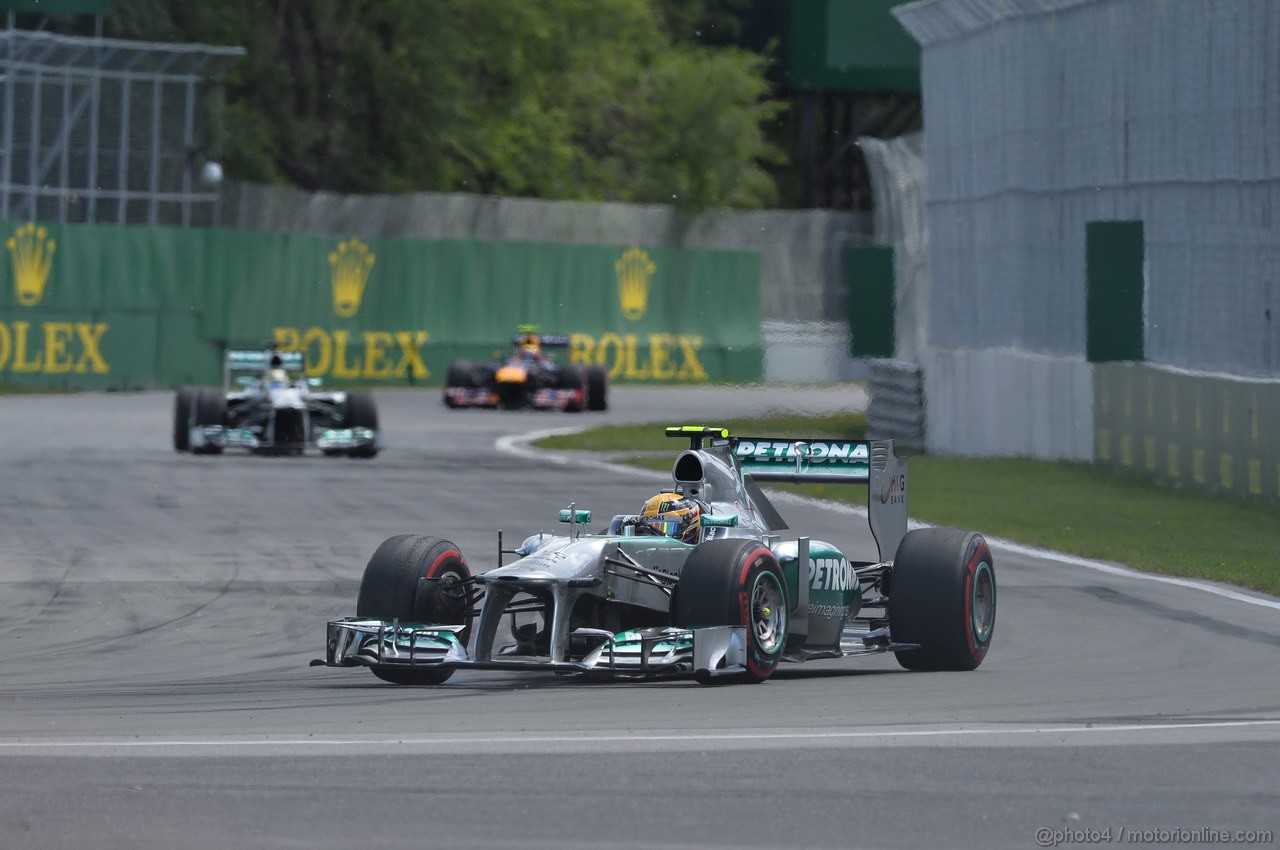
<point x="120" y="307"/>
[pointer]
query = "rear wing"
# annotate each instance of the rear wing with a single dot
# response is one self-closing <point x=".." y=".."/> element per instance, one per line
<point x="815" y="461"/>
<point x="257" y="360"/>
<point x="245" y="361"/>
<point x="822" y="461"/>
<point x="545" y="340"/>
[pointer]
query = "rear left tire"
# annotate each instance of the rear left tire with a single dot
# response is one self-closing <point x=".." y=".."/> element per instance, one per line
<point x="182" y="414"/>
<point x="210" y="409"/>
<point x="597" y="388"/>
<point x="943" y="597"/>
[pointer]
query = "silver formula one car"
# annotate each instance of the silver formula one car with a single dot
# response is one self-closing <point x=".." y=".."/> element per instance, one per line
<point x="732" y="603"/>
<point x="275" y="410"/>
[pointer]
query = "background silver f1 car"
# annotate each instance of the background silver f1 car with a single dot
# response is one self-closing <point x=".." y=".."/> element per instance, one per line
<point x="731" y="600"/>
<point x="276" y="410"/>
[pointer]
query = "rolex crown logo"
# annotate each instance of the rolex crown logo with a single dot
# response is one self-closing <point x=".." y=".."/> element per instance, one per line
<point x="351" y="264"/>
<point x="31" y="251"/>
<point x="635" y="270"/>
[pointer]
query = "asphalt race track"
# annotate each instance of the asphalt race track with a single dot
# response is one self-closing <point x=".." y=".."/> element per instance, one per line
<point x="158" y="612"/>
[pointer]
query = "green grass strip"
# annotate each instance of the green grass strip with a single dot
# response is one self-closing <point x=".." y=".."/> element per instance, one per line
<point x="1078" y="508"/>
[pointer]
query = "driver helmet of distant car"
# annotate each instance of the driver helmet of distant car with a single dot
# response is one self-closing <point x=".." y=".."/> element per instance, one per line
<point x="278" y="379"/>
<point x="531" y="347"/>
<point x="674" y="515"/>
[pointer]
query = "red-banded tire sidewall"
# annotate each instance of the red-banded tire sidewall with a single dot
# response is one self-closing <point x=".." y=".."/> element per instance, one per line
<point x="390" y="590"/>
<point x="943" y="597"/>
<point x="736" y="583"/>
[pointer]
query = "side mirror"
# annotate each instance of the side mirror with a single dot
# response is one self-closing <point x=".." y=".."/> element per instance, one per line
<point x="575" y="517"/>
<point x="245" y="381"/>
<point x="315" y="382"/>
<point x="725" y="521"/>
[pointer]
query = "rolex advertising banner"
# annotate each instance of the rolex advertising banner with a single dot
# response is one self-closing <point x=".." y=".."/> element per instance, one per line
<point x="127" y="307"/>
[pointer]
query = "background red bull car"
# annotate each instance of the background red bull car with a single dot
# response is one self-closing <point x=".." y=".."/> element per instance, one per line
<point x="527" y="377"/>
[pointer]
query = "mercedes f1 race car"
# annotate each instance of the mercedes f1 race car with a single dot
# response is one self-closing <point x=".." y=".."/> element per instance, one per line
<point x="729" y="600"/>
<point x="276" y="410"/>
<point x="527" y="377"/>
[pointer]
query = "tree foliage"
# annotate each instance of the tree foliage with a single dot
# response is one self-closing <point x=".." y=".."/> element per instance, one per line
<point x="559" y="99"/>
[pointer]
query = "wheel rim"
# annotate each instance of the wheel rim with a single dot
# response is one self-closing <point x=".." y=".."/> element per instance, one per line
<point x="767" y="613"/>
<point x="983" y="602"/>
<point x="453" y="591"/>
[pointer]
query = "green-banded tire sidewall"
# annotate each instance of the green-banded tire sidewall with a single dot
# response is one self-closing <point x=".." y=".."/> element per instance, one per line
<point x="182" y="410"/>
<point x="716" y="588"/>
<point x="389" y="590"/>
<point x="943" y="596"/>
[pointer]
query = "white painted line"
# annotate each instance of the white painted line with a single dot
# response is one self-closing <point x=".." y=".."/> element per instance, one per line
<point x="641" y="737"/>
<point x="518" y="445"/>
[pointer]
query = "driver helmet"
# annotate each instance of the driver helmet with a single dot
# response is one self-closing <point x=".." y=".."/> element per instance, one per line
<point x="674" y="515"/>
<point x="278" y="379"/>
<point x="530" y="346"/>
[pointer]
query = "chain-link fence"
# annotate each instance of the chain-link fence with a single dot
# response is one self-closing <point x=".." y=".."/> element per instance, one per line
<point x="101" y="130"/>
<point x="1045" y="115"/>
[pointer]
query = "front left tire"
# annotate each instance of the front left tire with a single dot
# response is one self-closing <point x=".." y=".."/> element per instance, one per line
<point x="736" y="582"/>
<point x="390" y="590"/>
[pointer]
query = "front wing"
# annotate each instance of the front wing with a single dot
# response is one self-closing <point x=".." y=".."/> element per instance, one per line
<point x="708" y="652"/>
<point x="331" y="439"/>
<point x="713" y="651"/>
<point x="546" y="398"/>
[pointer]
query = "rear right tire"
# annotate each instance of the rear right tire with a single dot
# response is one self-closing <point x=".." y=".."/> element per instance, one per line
<point x="459" y="376"/>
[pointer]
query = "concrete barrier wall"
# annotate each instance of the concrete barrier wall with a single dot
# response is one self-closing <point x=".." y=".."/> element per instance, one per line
<point x="1005" y="402"/>
<point x="1209" y="431"/>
